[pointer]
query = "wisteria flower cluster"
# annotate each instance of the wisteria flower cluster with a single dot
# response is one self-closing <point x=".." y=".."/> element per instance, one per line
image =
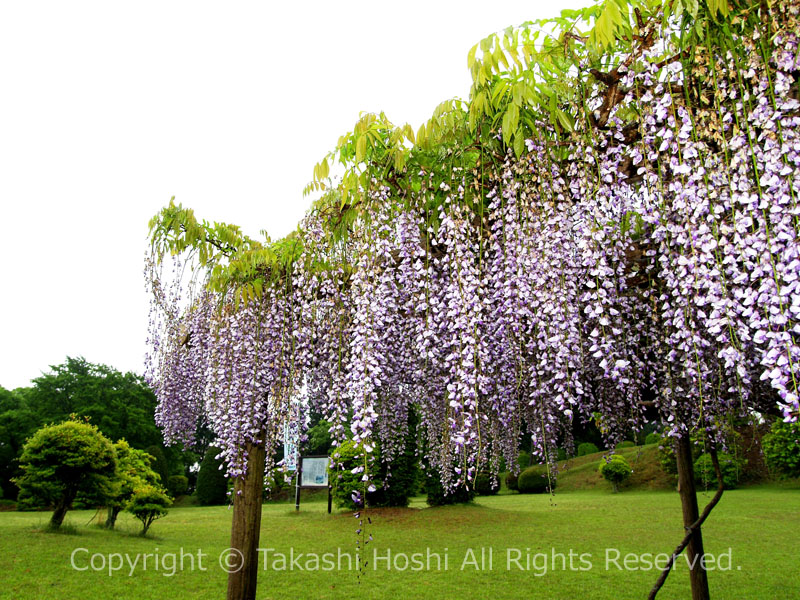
<point x="649" y="268"/>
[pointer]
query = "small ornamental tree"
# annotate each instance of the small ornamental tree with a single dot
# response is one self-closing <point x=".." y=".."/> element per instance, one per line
<point x="134" y="471"/>
<point x="615" y="470"/>
<point x="147" y="504"/>
<point x="61" y="461"/>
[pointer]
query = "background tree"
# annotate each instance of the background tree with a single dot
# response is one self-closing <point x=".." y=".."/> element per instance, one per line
<point x="212" y="485"/>
<point x="134" y="471"/>
<point x="61" y="461"/>
<point x="159" y="464"/>
<point x="120" y="405"/>
<point x="17" y="423"/>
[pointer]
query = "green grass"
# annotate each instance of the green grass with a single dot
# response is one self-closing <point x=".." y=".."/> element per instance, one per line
<point x="760" y="525"/>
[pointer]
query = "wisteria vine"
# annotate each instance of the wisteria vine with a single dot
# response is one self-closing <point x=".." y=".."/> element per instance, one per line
<point x="645" y="268"/>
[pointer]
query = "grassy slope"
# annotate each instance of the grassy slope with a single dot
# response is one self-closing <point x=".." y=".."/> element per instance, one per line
<point x="759" y="524"/>
<point x="581" y="473"/>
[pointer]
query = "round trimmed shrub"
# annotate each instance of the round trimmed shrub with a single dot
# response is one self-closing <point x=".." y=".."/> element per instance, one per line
<point x="587" y="448"/>
<point x="437" y="496"/>
<point x="534" y="480"/>
<point x="652" y="438"/>
<point x="178" y="485"/>
<point x="486" y="485"/>
<point x="511" y="481"/>
<point x="731" y="467"/>
<point x="782" y="449"/>
<point x="626" y="444"/>
<point x="615" y="470"/>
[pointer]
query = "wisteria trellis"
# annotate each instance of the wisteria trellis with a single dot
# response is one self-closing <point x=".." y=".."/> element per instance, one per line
<point x="651" y="259"/>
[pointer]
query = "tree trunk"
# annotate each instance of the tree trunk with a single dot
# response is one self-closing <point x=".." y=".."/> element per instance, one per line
<point x="113" y="512"/>
<point x="62" y="506"/>
<point x="688" y="494"/>
<point x="247" y="497"/>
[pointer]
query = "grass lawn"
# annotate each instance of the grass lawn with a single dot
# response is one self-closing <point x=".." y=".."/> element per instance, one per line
<point x="759" y="525"/>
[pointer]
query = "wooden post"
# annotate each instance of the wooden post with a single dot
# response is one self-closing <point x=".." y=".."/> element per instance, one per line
<point x="297" y="483"/>
<point x="688" y="494"/>
<point x="248" y="495"/>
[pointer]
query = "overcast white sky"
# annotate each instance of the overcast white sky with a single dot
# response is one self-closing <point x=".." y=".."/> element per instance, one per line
<point x="108" y="109"/>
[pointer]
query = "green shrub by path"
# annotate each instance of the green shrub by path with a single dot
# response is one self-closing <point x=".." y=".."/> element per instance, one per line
<point x="782" y="449"/>
<point x="731" y="466"/>
<point x="615" y="470"/>
<point x="212" y="485"/>
<point x="652" y="438"/>
<point x="586" y="448"/>
<point x="535" y="480"/>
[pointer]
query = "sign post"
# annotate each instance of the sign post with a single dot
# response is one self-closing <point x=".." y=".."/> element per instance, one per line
<point x="312" y="473"/>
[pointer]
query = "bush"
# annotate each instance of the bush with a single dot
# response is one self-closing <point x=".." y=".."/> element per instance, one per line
<point x="345" y="459"/>
<point x="212" y="485"/>
<point x="782" y="449"/>
<point x="437" y="496"/>
<point x="535" y="480"/>
<point x="625" y="444"/>
<point x="587" y="448"/>
<point x="615" y="470"/>
<point x="178" y="485"/>
<point x="511" y="481"/>
<point x="486" y="485"/>
<point x="147" y="504"/>
<point x="652" y="438"/>
<point x="731" y="467"/>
